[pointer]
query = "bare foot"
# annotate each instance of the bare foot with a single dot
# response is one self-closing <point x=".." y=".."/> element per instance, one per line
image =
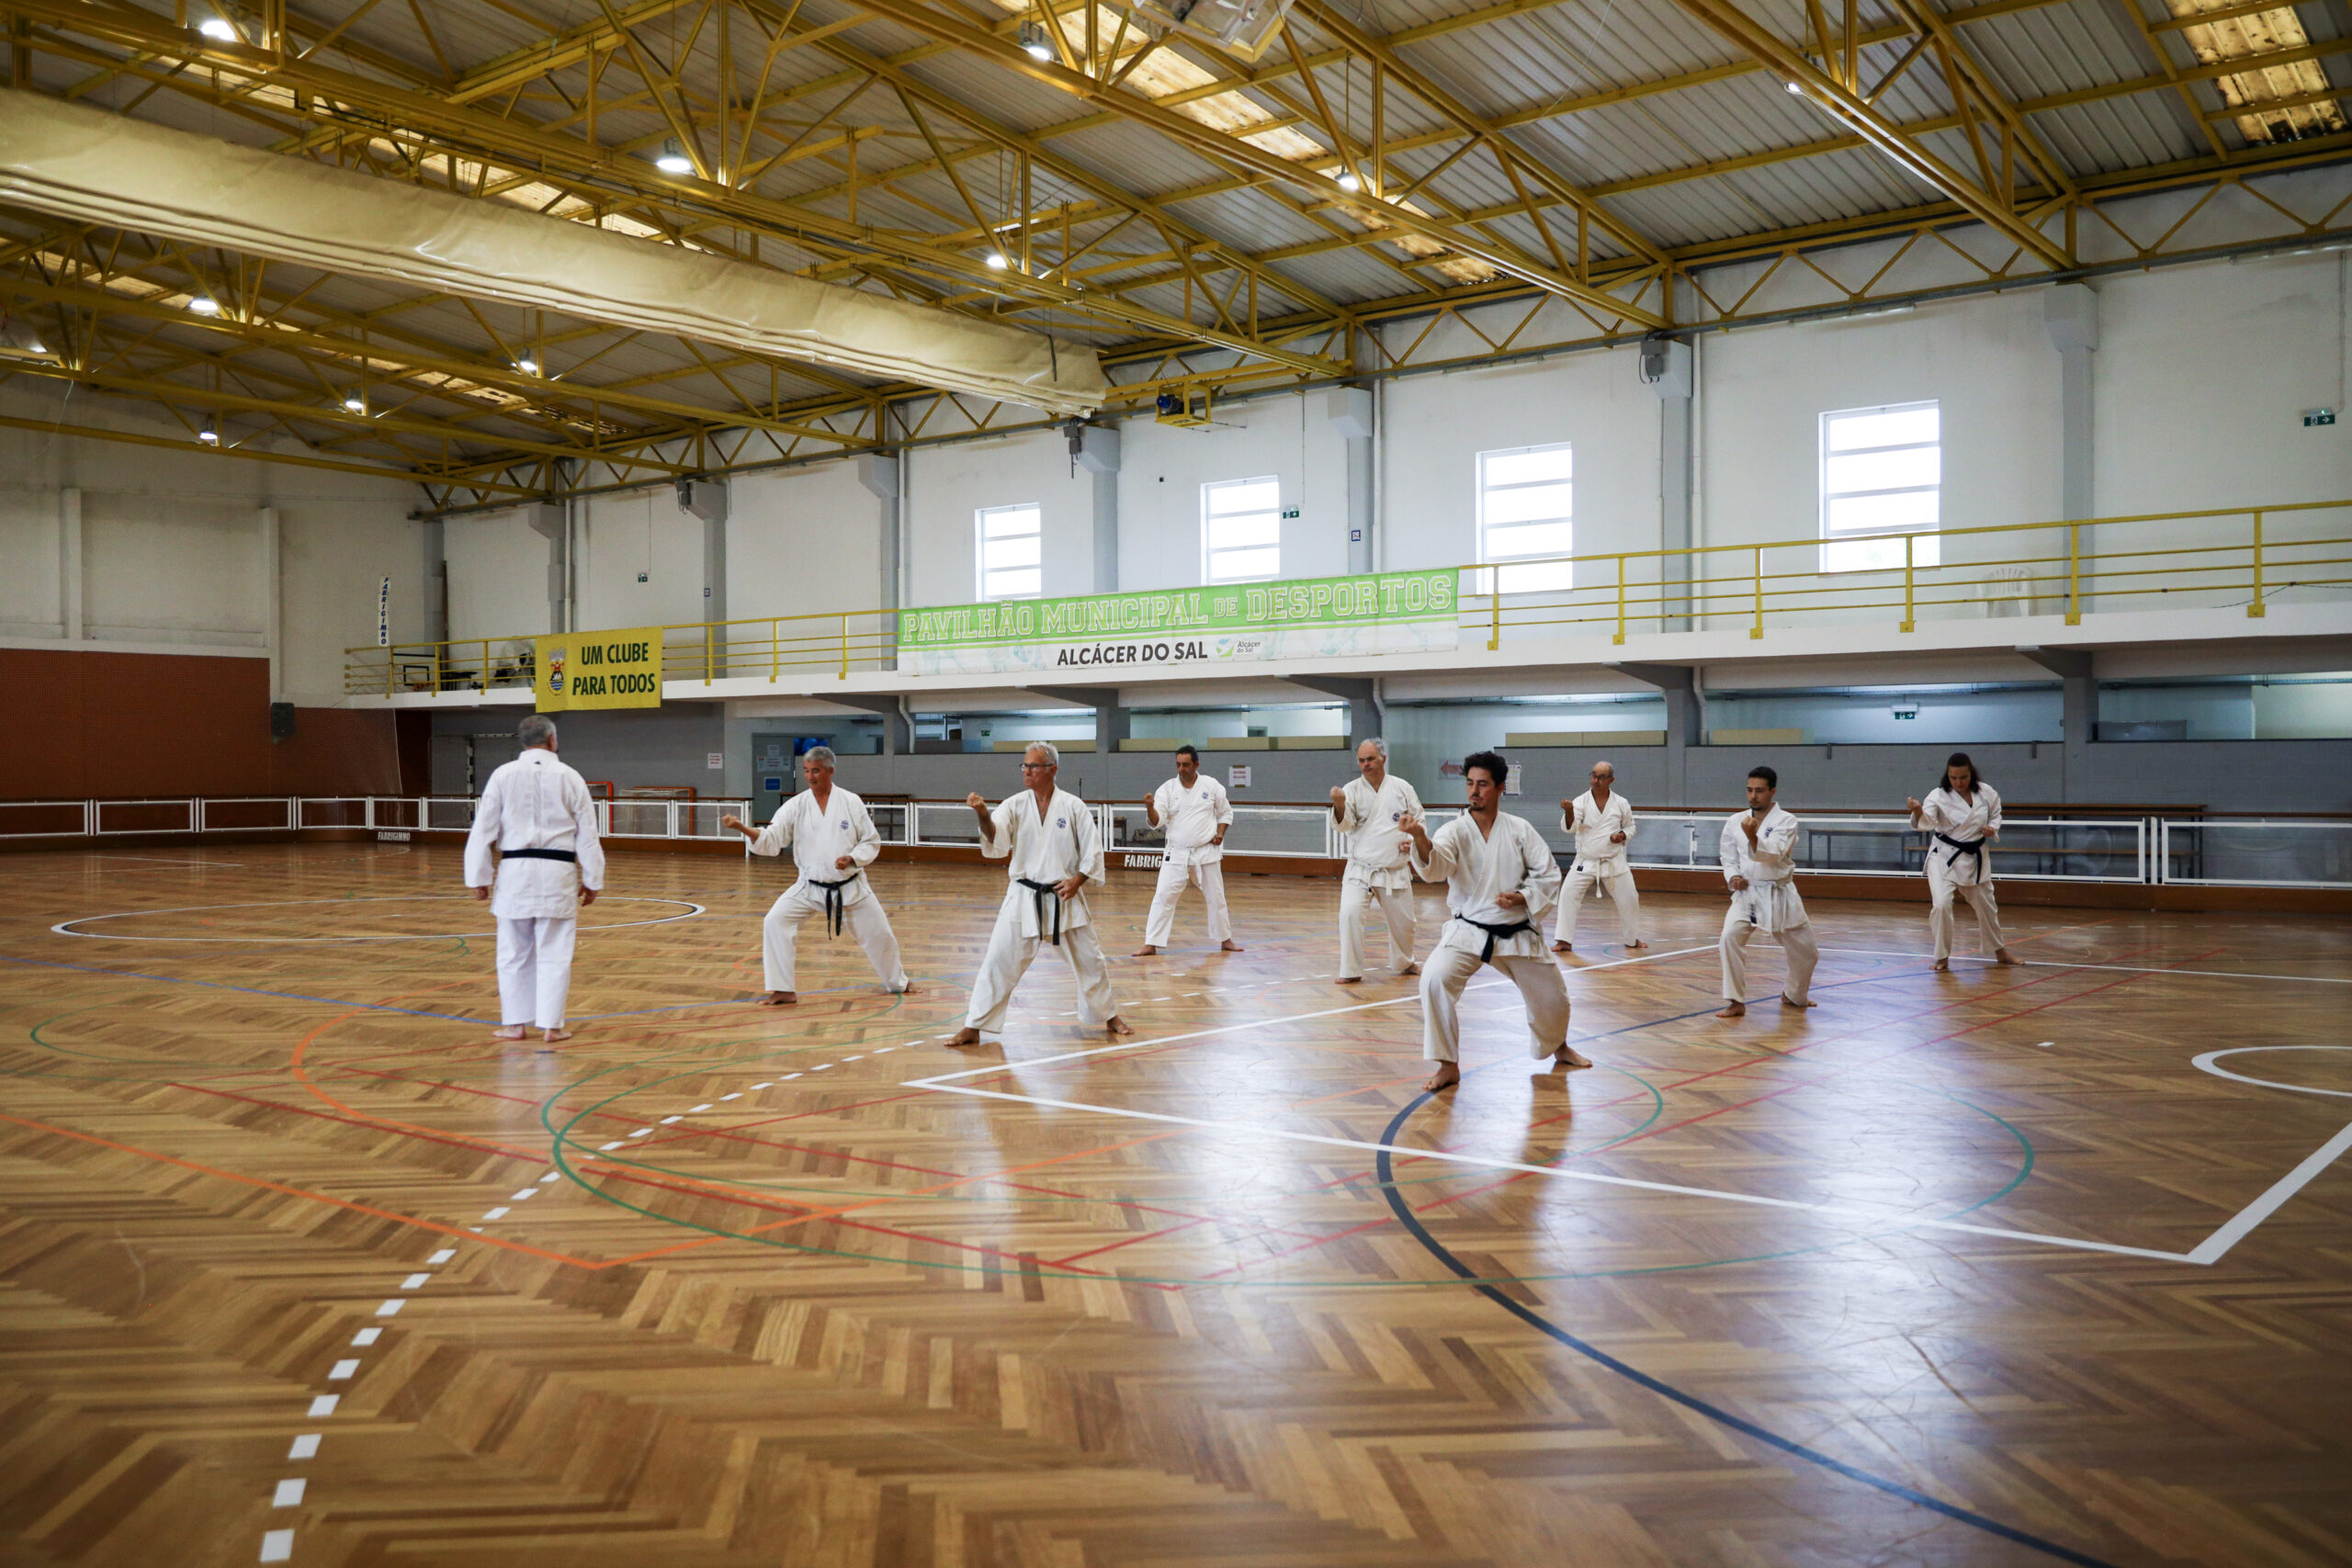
<point x="511" y="1031"/>
<point x="1733" y="1009"/>
<point x="778" y="1000"/>
<point x="1408" y="969"/>
<point x="549" y="1036"/>
<point x="1632" y="946"/>
<point x="2001" y="955"/>
<point x="1563" y="947"/>
<point x="1117" y="1026"/>
<point x="1233" y="946"/>
<point x="1787" y="1003"/>
<point x="1943" y="966"/>
<point x="1349" y="980"/>
<point x="1146" y="950"/>
<point x="1569" y="1057"/>
<point x="1446" y="1077"/>
<point x="905" y="990"/>
<point x="965" y="1037"/>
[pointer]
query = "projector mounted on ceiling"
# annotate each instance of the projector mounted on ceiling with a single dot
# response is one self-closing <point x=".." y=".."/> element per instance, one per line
<point x="1243" y="27"/>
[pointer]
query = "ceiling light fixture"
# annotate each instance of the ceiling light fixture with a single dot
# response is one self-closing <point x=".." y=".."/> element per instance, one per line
<point x="208" y="432"/>
<point x="527" y="366"/>
<point x="219" y="28"/>
<point x="1034" y="41"/>
<point x="355" y="404"/>
<point x="1349" y="182"/>
<point x="1793" y="88"/>
<point x="205" y="304"/>
<point x="998" y="261"/>
<point x="673" y="159"/>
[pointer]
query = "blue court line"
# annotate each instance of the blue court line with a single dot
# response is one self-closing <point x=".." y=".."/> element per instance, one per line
<point x="1384" y="1168"/>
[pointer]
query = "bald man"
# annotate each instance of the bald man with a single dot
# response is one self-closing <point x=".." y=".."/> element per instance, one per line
<point x="1601" y="821"/>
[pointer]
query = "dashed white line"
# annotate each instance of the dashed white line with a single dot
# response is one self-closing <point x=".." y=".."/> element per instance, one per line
<point x="344" y="1370"/>
<point x="277" y="1546"/>
<point x="442" y="1257"/>
<point x="390" y="1308"/>
<point x="498" y="1213"/>
<point x="697" y="1110"/>
<point x="607" y="1149"/>
<point x="667" y="1120"/>
<point x="289" y="1495"/>
<point x="527" y="1194"/>
<point x="415" y="1281"/>
<point x="305" y="1447"/>
<point x="368" y="1336"/>
<point x="725" y="1097"/>
<point x="324" y="1403"/>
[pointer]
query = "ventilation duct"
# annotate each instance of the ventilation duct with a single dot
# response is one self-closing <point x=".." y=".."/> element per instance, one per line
<point x="92" y="166"/>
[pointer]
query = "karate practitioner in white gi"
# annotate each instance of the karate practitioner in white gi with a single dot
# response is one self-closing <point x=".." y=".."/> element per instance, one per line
<point x="1374" y="808"/>
<point x="1195" y="813"/>
<point x="1964" y="815"/>
<point x="1601" y="822"/>
<point x="539" y="812"/>
<point x="1499" y="877"/>
<point x="832" y="842"/>
<point x="1760" y="855"/>
<point x="1050" y="838"/>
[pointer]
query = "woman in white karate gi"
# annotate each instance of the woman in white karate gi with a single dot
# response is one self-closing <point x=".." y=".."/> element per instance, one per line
<point x="539" y="815"/>
<point x="1962" y="816"/>
<point x="1499" y="877"/>
<point x="1050" y="836"/>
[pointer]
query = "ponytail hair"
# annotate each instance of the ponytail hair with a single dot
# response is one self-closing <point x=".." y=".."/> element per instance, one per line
<point x="1960" y="759"/>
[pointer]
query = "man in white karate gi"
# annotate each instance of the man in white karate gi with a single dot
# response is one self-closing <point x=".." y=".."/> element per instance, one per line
<point x="1373" y="809"/>
<point x="832" y="840"/>
<point x="1499" y="877"/>
<point x="539" y="815"/>
<point x="1759" y="853"/>
<point x="1050" y="838"/>
<point x="1195" y="814"/>
<point x="1601" y="821"/>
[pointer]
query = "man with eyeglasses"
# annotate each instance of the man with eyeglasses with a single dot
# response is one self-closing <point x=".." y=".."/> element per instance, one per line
<point x="1601" y="821"/>
<point x="1050" y="836"/>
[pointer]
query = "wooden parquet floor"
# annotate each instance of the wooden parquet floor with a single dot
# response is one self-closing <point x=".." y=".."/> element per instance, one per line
<point x="297" y="1263"/>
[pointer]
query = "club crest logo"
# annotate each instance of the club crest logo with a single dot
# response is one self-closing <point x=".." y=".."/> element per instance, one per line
<point x="555" y="669"/>
<point x="1061" y="821"/>
<point x="845" y="824"/>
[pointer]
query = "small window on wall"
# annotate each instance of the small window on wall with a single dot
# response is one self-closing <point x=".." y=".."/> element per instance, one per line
<point x="1011" y="551"/>
<point x="1881" y="472"/>
<point x="1527" y="508"/>
<point x="1242" y="530"/>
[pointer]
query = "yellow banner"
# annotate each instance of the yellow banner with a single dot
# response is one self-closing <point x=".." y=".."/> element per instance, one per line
<point x="600" y="669"/>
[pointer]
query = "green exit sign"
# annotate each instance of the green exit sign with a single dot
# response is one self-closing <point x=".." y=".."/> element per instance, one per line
<point x="1289" y="511"/>
<point x="2310" y="417"/>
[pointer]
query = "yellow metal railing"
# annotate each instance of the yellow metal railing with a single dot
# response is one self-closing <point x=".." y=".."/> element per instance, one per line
<point x="2076" y="568"/>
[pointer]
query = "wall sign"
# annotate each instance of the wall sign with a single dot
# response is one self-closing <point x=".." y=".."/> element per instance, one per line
<point x="599" y="669"/>
<point x="1330" y="617"/>
<point x="384" y="612"/>
<point x="1236" y="776"/>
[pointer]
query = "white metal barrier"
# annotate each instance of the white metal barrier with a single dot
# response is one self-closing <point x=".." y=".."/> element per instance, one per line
<point x="2185" y="851"/>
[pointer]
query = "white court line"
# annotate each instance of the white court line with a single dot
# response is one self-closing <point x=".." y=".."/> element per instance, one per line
<point x="2119" y="968"/>
<point x="2241" y="1224"/>
<point x="1411" y="996"/>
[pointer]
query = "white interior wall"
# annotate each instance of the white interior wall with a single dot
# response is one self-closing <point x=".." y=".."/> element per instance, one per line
<point x="948" y="484"/>
<point x="803" y="542"/>
<point x="1163" y="467"/>
<point x="498" y="576"/>
<point x="640" y="532"/>
<point x="181" y="569"/>
<point x="29" y="605"/>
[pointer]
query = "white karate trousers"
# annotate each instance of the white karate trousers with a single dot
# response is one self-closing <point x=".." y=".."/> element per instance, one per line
<point x="1540" y="990"/>
<point x="1795" y="941"/>
<point x="1940" y="921"/>
<point x="1008" y="956"/>
<point x="780" y="937"/>
<point x="534" y="968"/>
<point x="1617" y="882"/>
<point x="1160" y="924"/>
<point x="1395" y="908"/>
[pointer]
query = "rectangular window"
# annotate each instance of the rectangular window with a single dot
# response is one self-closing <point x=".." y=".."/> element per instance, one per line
<point x="1242" y="530"/>
<point x="1527" y="509"/>
<point x="1881" y="472"/>
<point x="1011" y="551"/>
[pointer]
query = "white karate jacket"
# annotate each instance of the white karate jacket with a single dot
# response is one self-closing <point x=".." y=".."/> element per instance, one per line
<point x="1591" y="826"/>
<point x="1379" y="853"/>
<point x="1947" y="813"/>
<point x="1477" y="868"/>
<point x="817" y="839"/>
<point x="1770" y="902"/>
<point x="1062" y="844"/>
<point x="535" y="802"/>
<point x="1190" y="818"/>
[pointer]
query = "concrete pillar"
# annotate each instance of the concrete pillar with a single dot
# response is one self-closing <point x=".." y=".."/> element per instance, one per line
<point x="1349" y="410"/>
<point x="1364" y="702"/>
<point x="1679" y="686"/>
<point x="2070" y="311"/>
<point x="708" y="499"/>
<point x="2079" y="721"/>
<point x="897" y="735"/>
<point x="1112" y="724"/>
<point x="882" y="475"/>
<point x="1667" y="368"/>
<point x="273" y="601"/>
<point x="1096" y="448"/>
<point x="434" y="544"/>
<point x="69" y="562"/>
<point x="551" y="520"/>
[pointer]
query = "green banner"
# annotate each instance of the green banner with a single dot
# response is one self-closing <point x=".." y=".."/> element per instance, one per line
<point x="1325" y="617"/>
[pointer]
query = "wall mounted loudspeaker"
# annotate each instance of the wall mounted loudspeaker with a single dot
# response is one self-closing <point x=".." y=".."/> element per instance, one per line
<point x="281" y="720"/>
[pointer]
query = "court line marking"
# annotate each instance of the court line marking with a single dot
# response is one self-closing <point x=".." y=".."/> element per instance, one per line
<point x="2127" y="969"/>
<point x="2204" y="1064"/>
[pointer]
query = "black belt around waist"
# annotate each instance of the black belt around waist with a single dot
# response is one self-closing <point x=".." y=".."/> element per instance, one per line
<point x="1043" y="892"/>
<point x="1494" y="934"/>
<point x="1973" y="847"/>
<point x="538" y="854"/>
<point x="835" y="903"/>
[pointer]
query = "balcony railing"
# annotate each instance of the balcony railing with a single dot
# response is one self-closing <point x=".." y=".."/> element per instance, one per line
<point x="2246" y="557"/>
